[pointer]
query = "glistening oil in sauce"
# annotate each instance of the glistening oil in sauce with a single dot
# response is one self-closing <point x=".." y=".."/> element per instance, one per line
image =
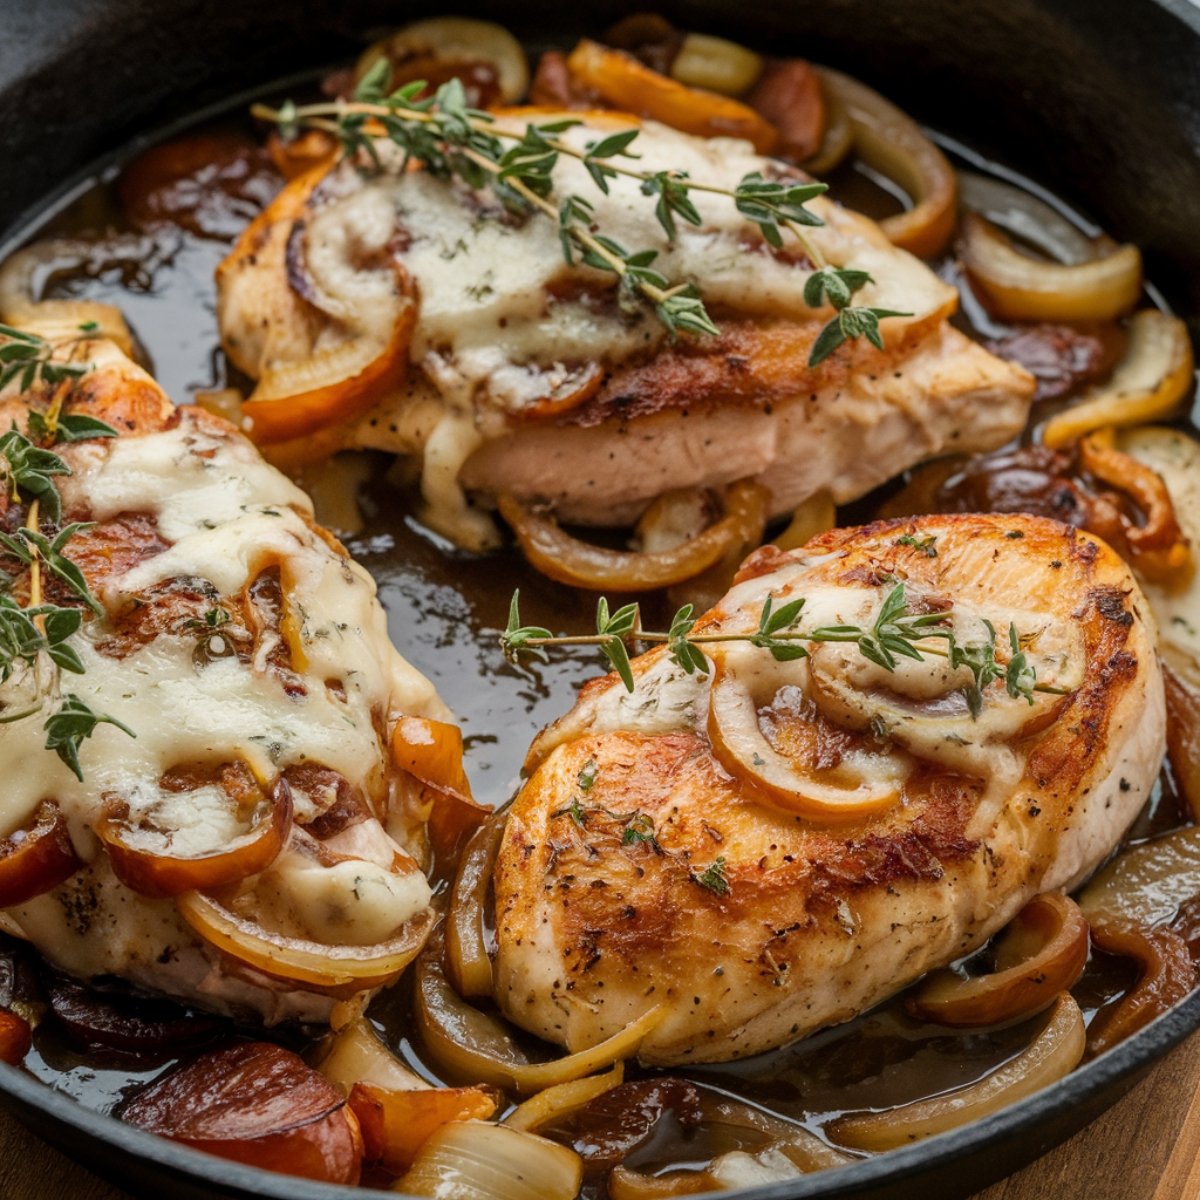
<point x="445" y="611"/>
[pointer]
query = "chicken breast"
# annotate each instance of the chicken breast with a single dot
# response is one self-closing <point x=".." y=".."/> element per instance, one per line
<point x="248" y="658"/>
<point x="773" y="847"/>
<point x="540" y="380"/>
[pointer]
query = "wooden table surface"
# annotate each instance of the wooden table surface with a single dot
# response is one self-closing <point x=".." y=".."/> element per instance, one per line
<point x="1147" y="1147"/>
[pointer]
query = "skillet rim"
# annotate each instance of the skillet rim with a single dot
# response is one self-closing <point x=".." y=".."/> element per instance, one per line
<point x="1037" y="1123"/>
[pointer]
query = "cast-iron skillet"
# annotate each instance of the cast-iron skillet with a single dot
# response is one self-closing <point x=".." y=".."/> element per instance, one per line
<point x="1098" y="99"/>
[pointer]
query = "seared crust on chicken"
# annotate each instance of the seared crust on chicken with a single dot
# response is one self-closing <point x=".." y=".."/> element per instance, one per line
<point x="653" y="857"/>
<point x="251" y="833"/>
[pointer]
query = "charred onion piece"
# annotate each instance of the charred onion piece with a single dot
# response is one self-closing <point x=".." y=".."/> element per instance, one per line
<point x="396" y="1124"/>
<point x="568" y="560"/>
<point x="891" y="142"/>
<point x="38" y="858"/>
<point x="1054" y="1052"/>
<point x="631" y="86"/>
<point x="131" y="1024"/>
<point x="1022" y="288"/>
<point x="468" y="963"/>
<point x="1041" y="953"/>
<point x="1158" y="548"/>
<point x="16" y="1038"/>
<point x="473" y="1160"/>
<point x="473" y="1045"/>
<point x="259" y="1104"/>
<point x="340" y="971"/>
<point x="162" y="875"/>
<point x="1166" y="976"/>
<point x="743" y="750"/>
<point x="1148" y="383"/>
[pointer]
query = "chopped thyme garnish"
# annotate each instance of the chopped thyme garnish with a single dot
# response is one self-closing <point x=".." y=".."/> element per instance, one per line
<point x="713" y="877"/>
<point x="451" y="139"/>
<point x="638" y="829"/>
<point x="927" y="545"/>
<point x="587" y="775"/>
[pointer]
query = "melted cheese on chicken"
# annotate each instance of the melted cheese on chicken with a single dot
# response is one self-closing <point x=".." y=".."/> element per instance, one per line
<point x="316" y="683"/>
<point x="510" y="341"/>
<point x="686" y="875"/>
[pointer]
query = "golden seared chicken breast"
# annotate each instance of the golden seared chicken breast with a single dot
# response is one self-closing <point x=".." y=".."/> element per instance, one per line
<point x="204" y="721"/>
<point x="471" y="344"/>
<point x="773" y="846"/>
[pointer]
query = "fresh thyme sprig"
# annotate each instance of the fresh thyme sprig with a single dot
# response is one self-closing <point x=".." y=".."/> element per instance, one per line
<point x="897" y="632"/>
<point x="39" y="631"/>
<point x="452" y="139"/>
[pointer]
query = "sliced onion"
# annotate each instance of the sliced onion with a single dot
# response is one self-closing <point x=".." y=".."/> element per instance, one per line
<point x="16" y="1038"/>
<point x="467" y="960"/>
<point x="332" y="970"/>
<point x="1181" y="679"/>
<point x="1054" y="1052"/>
<point x="1026" y="216"/>
<point x="1148" y="383"/>
<point x="1166" y="975"/>
<point x="335" y="384"/>
<point x="892" y="142"/>
<point x="1157" y="547"/>
<point x="396" y="1124"/>
<point x="471" y="1044"/>
<point x="716" y="65"/>
<point x="162" y="875"/>
<point x="815" y="515"/>
<point x="439" y="47"/>
<point x="38" y="858"/>
<point x="858" y="788"/>
<point x="1146" y="884"/>
<point x="356" y="1055"/>
<point x="839" y="134"/>
<point x="553" y="1103"/>
<point x="802" y="1147"/>
<point x="568" y="560"/>
<point x="626" y="1184"/>
<point x="1022" y="288"/>
<point x="629" y="85"/>
<point x="471" y="1160"/>
<point x="1041" y="953"/>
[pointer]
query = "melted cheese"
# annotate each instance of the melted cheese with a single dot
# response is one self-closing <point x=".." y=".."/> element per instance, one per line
<point x="497" y="330"/>
<point x="227" y="513"/>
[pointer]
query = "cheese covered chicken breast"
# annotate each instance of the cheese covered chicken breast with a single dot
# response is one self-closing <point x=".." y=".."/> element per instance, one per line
<point x="226" y="819"/>
<point x="467" y="339"/>
<point x="773" y="846"/>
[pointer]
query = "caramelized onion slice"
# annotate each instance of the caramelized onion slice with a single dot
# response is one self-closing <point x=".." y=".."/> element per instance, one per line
<point x="562" y="1099"/>
<point x="1147" y="883"/>
<point x="259" y="1104"/>
<point x="1181" y="677"/>
<point x="627" y="1184"/>
<point x="161" y="875"/>
<point x="839" y="135"/>
<point x="471" y="1044"/>
<point x="630" y="85"/>
<point x="1041" y="953"/>
<point x="568" y="560"/>
<point x="861" y="785"/>
<point x="467" y="960"/>
<point x="356" y="1055"/>
<point x="472" y="1160"/>
<point x="1148" y="383"/>
<point x="892" y="142"/>
<point x="1157" y="547"/>
<point x="335" y="384"/>
<point x="815" y="515"/>
<point x="716" y="65"/>
<point x="38" y="858"/>
<point x="16" y="1038"/>
<point x="396" y="1124"/>
<point x="1054" y="1052"/>
<point x="1022" y="288"/>
<point x="333" y="970"/>
<point x="1166" y="976"/>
